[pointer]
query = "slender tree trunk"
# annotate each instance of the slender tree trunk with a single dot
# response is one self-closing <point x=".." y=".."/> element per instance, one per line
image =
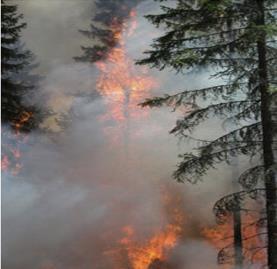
<point x="238" y="240"/>
<point x="237" y="225"/>
<point x="268" y="155"/>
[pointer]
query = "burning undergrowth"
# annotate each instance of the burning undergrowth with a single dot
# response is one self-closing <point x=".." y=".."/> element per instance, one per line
<point x="75" y="212"/>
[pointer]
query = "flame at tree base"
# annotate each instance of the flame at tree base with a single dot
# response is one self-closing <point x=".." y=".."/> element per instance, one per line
<point x="147" y="254"/>
<point x="253" y="241"/>
<point x="153" y="251"/>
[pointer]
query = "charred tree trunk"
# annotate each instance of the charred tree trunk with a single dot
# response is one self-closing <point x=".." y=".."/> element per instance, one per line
<point x="238" y="247"/>
<point x="268" y="155"/>
<point x="237" y="224"/>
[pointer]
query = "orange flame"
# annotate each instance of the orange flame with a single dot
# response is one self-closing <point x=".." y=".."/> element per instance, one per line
<point x="254" y="250"/>
<point x="24" y="118"/>
<point x="121" y="83"/>
<point x="141" y="256"/>
<point x="135" y="253"/>
<point x="11" y="159"/>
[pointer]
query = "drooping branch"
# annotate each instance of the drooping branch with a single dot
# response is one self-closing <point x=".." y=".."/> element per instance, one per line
<point x="193" y="167"/>
<point x="220" y="110"/>
<point x="234" y="202"/>
<point x="246" y="134"/>
<point x="249" y="178"/>
<point x="176" y="100"/>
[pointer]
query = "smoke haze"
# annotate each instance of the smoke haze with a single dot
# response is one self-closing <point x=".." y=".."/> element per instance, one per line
<point x="78" y="188"/>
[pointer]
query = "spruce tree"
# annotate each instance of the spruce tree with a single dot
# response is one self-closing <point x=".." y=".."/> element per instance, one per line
<point x="237" y="41"/>
<point x="18" y="82"/>
<point x="108" y="20"/>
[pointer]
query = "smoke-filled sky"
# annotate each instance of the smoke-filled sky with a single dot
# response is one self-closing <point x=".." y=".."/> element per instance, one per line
<point x="52" y="32"/>
<point x="79" y="188"/>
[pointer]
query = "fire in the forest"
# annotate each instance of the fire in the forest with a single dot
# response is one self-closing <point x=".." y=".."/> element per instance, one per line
<point x="122" y="84"/>
<point x="222" y="237"/>
<point x="24" y="118"/>
<point x="141" y="256"/>
<point x="153" y="251"/>
<point x="11" y="149"/>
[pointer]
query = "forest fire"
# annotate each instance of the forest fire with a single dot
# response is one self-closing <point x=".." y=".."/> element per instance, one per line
<point x="11" y="155"/>
<point x="222" y="237"/>
<point x="24" y="118"/>
<point x="94" y="178"/>
<point x="121" y="83"/>
<point x="153" y="251"/>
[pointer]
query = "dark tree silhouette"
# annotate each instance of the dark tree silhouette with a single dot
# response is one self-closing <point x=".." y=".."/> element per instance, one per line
<point x="108" y="20"/>
<point x="18" y="83"/>
<point x="238" y="40"/>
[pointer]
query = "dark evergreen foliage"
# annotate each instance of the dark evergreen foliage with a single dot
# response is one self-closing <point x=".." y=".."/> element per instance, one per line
<point x="237" y="40"/>
<point x="106" y="22"/>
<point x="235" y="204"/>
<point x="17" y="82"/>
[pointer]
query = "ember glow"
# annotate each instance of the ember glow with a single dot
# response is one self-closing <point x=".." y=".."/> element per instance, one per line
<point x="24" y="118"/>
<point x="11" y="150"/>
<point x="11" y="157"/>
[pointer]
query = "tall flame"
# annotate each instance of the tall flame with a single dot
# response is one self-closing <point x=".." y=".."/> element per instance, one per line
<point x="121" y="83"/>
<point x="141" y="256"/>
<point x="154" y="250"/>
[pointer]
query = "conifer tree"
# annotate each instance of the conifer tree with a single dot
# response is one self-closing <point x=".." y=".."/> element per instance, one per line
<point x="105" y="23"/>
<point x="17" y="81"/>
<point x="201" y="34"/>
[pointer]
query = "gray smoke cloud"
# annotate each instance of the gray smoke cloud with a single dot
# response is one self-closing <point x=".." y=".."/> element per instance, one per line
<point x="77" y="189"/>
<point x="52" y="32"/>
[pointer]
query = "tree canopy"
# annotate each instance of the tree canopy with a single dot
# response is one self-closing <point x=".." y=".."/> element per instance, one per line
<point x="18" y="82"/>
<point x="108" y="20"/>
<point x="237" y="41"/>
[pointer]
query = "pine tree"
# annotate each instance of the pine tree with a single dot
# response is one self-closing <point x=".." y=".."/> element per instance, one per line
<point x="201" y="34"/>
<point x="17" y="81"/>
<point x="108" y="20"/>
